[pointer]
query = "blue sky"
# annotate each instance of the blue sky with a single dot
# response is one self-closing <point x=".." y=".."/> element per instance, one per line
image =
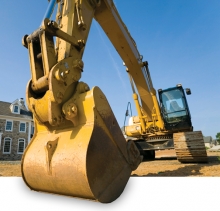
<point x="179" y="38"/>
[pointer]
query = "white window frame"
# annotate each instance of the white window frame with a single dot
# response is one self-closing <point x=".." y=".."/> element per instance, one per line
<point x="19" y="140"/>
<point x="20" y="127"/>
<point x="14" y="109"/>
<point x="9" y="139"/>
<point x="11" y="125"/>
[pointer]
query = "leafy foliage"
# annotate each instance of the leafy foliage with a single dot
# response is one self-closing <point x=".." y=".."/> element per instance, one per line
<point x="218" y="137"/>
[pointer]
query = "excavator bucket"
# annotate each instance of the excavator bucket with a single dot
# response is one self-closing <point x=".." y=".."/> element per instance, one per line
<point x="90" y="159"/>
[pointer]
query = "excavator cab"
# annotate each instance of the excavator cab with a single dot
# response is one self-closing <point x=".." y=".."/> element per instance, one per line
<point x="174" y="108"/>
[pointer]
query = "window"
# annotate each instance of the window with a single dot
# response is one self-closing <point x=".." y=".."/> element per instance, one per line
<point x="7" y="146"/>
<point x="22" y="127"/>
<point x="21" y="145"/>
<point x="174" y="105"/>
<point x="8" y="125"/>
<point x="16" y="109"/>
<point x="32" y="129"/>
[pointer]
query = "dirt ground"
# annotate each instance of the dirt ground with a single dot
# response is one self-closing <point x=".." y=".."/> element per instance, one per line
<point x="164" y="165"/>
<point x="10" y="168"/>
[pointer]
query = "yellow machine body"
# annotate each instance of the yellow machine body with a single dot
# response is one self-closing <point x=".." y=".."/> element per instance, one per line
<point x="78" y="148"/>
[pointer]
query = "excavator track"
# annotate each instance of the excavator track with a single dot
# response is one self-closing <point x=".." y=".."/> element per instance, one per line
<point x="190" y="147"/>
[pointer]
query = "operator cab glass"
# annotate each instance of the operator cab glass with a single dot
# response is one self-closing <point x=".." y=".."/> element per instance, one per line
<point x="174" y="108"/>
<point x="174" y="104"/>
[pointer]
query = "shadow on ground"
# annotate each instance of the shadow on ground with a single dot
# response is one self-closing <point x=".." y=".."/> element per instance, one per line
<point x="192" y="169"/>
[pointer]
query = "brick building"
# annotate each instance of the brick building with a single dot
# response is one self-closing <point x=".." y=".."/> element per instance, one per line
<point x="16" y="129"/>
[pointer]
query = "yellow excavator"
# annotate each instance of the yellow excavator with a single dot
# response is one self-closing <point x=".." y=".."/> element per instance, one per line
<point x="78" y="148"/>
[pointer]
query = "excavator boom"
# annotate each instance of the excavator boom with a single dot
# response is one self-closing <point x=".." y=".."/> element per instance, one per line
<point x="110" y="21"/>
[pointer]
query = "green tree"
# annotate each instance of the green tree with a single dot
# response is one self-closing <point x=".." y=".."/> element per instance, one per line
<point x="218" y="137"/>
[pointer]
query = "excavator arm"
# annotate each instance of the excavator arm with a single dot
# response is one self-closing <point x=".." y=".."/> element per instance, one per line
<point x="78" y="148"/>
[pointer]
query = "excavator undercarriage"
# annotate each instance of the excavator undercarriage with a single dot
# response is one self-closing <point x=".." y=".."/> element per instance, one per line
<point x="189" y="146"/>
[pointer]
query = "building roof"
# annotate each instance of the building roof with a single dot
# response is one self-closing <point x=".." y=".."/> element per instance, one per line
<point x="207" y="139"/>
<point x="6" y="111"/>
